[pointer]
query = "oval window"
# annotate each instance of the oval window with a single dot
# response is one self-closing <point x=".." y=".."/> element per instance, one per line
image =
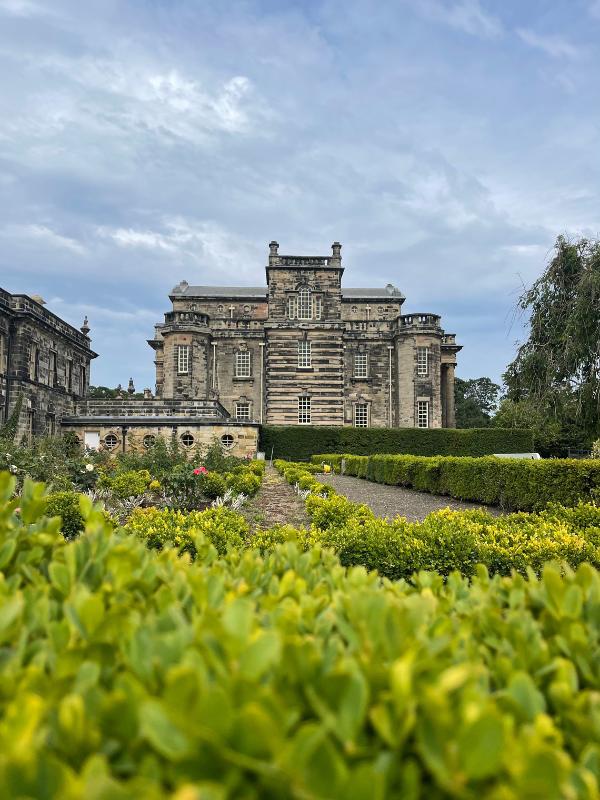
<point x="187" y="440"/>
<point x="227" y="440"/>
<point x="110" y="441"/>
<point x="149" y="440"/>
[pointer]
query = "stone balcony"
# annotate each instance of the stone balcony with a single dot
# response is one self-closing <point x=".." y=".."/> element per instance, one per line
<point x="424" y="323"/>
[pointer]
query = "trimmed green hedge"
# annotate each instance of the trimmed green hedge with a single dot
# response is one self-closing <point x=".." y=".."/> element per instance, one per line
<point x="512" y="483"/>
<point x="299" y="442"/>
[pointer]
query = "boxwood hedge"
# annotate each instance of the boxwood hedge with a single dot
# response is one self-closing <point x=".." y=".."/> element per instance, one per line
<point x="299" y="442"/>
<point x="511" y="483"/>
<point x="128" y="673"/>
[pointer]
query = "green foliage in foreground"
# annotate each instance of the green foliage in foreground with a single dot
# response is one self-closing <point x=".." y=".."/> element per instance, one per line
<point x="446" y="540"/>
<point x="512" y="483"/>
<point x="298" y="442"/>
<point x="127" y="673"/>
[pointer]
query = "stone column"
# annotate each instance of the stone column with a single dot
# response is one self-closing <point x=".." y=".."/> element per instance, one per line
<point x="449" y="397"/>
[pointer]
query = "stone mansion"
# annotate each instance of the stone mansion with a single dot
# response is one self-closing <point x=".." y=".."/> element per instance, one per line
<point x="302" y="350"/>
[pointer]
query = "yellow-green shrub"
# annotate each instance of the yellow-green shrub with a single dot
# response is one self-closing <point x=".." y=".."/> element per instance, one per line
<point x="128" y="673"/>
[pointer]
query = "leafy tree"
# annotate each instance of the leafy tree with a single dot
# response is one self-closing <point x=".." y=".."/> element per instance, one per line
<point x="475" y="402"/>
<point x="558" y="368"/>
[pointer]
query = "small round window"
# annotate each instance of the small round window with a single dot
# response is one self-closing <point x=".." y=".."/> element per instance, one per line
<point x="227" y="440"/>
<point x="187" y="440"/>
<point x="110" y="441"/>
<point x="149" y="440"/>
<point x="220" y="308"/>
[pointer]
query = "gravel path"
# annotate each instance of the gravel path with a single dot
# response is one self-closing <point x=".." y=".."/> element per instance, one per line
<point x="391" y="501"/>
<point x="275" y="503"/>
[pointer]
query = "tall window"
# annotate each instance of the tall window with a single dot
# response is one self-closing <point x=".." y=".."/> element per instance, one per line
<point x="304" y="304"/>
<point x="52" y="373"/>
<point x="361" y="365"/>
<point x="361" y="415"/>
<point x="2" y="353"/>
<point x="69" y="376"/>
<point x="318" y="307"/>
<point x="422" y="361"/>
<point x="183" y="359"/>
<point x="292" y="307"/>
<point x="242" y="410"/>
<point x="242" y="364"/>
<point x="304" y="354"/>
<point x="34" y="363"/>
<point x="82" y="380"/>
<point x="423" y="414"/>
<point x="304" y="410"/>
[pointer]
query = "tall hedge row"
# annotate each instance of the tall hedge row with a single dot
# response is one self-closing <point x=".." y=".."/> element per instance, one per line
<point x="299" y="442"/>
<point x="512" y="483"/>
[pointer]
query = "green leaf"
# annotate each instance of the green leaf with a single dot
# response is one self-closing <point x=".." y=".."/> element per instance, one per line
<point x="9" y="614"/>
<point x="59" y="577"/>
<point x="237" y="618"/>
<point x="481" y="746"/>
<point x="525" y="695"/>
<point x="259" y="656"/>
<point x="161" y="733"/>
<point x="7" y="551"/>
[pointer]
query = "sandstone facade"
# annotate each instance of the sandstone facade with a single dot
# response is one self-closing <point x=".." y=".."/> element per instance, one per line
<point x="43" y="361"/>
<point x="305" y="350"/>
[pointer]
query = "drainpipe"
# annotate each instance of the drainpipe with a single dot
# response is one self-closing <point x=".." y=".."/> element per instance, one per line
<point x="214" y="366"/>
<point x="390" y="417"/>
<point x="7" y="373"/>
<point x="262" y="379"/>
<point x="123" y="437"/>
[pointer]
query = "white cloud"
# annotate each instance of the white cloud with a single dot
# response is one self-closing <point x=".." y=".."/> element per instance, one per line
<point x="44" y="236"/>
<point x="464" y="15"/>
<point x="554" y="46"/>
<point x="193" y="243"/>
<point x="21" y="8"/>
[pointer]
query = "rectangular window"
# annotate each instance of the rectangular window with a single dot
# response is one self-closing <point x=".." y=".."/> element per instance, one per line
<point x="82" y="380"/>
<point x="361" y="365"/>
<point x="304" y="354"/>
<point x="318" y="308"/>
<point x="423" y="414"/>
<point x="52" y="373"/>
<point x="361" y="415"/>
<point x="69" y="376"/>
<point x="304" y="410"/>
<point x="242" y="364"/>
<point x="292" y="308"/>
<point x="34" y="363"/>
<point x="242" y="410"/>
<point x="422" y="361"/>
<point x="50" y="424"/>
<point x="183" y="359"/>
<point x="304" y="304"/>
<point x="2" y="349"/>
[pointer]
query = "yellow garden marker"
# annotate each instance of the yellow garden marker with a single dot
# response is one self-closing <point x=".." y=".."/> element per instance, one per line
<point x="326" y="468"/>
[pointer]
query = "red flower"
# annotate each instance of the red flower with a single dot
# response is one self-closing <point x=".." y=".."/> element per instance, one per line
<point x="200" y="471"/>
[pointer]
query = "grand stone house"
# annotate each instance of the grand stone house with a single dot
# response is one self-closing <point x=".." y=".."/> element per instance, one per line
<point x="302" y="350"/>
<point x="44" y="365"/>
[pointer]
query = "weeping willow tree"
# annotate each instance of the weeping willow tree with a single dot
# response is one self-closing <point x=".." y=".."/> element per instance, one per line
<point x="558" y="367"/>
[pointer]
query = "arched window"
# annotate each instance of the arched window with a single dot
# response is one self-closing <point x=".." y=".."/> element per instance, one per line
<point x="304" y="304"/>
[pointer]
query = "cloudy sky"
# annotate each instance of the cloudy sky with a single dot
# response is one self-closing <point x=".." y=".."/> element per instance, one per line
<point x="445" y="143"/>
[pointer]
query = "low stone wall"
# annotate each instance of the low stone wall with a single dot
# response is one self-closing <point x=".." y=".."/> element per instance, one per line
<point x="126" y="434"/>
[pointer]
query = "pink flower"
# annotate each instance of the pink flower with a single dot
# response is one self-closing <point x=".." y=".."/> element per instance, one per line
<point x="200" y="471"/>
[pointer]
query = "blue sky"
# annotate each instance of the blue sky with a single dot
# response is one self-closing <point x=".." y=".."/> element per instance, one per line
<point x="445" y="143"/>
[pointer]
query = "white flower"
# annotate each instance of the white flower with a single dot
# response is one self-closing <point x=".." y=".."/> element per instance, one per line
<point x="89" y="467"/>
<point x="13" y="468"/>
